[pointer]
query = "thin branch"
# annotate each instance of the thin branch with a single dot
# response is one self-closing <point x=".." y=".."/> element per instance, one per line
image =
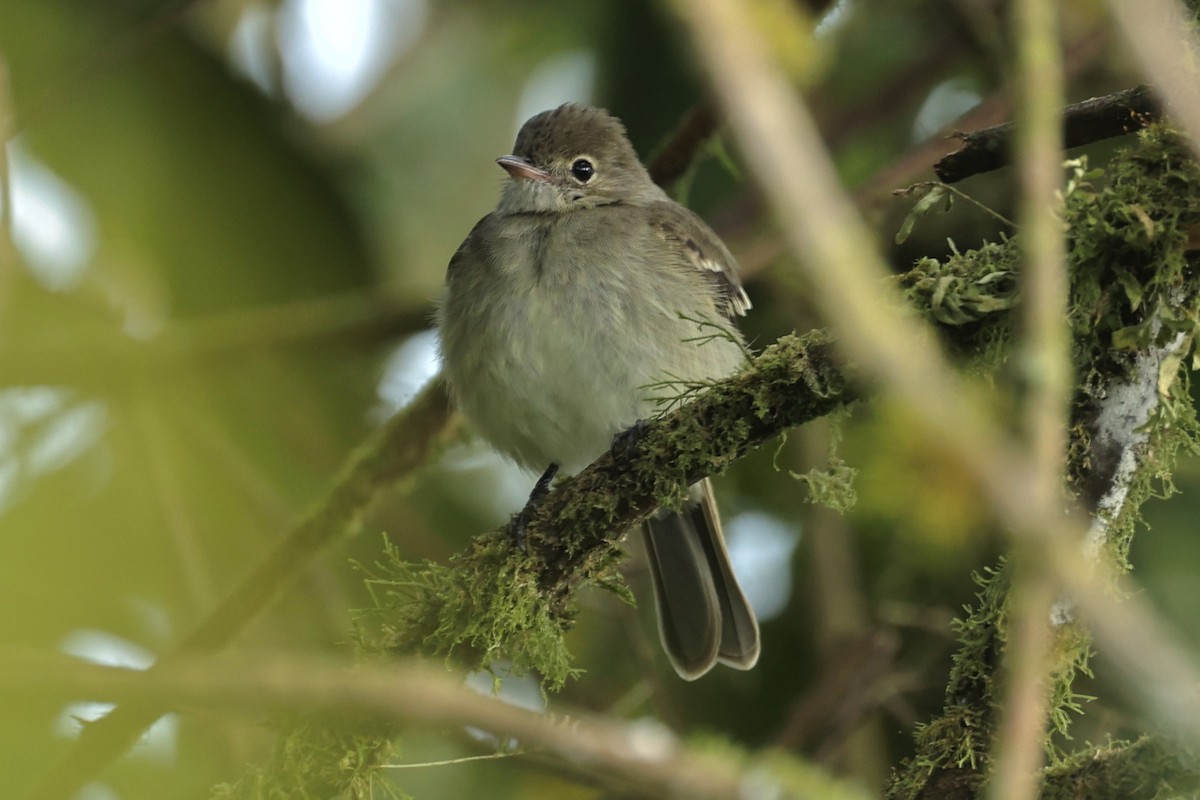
<point x="8" y="250"/>
<point x="1019" y="749"/>
<point x="1092" y="120"/>
<point x="991" y="111"/>
<point x="646" y="754"/>
<point x="907" y="168"/>
<point x="451" y="762"/>
<point x="166" y="484"/>
<point x="1044" y="356"/>
<point x="398" y="448"/>
<point x="925" y="186"/>
<point x="675" y="157"/>
<point x="72" y="356"/>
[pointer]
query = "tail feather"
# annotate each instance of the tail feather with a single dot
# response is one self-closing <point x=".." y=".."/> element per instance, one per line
<point x="739" y="627"/>
<point x="703" y="616"/>
<point x="689" y="617"/>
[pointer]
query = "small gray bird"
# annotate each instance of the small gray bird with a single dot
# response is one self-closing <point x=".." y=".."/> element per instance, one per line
<point x="568" y="310"/>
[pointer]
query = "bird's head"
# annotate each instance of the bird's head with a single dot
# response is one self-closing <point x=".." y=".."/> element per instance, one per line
<point x="573" y="157"/>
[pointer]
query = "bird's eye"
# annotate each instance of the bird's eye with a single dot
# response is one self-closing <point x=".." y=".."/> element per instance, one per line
<point x="583" y="170"/>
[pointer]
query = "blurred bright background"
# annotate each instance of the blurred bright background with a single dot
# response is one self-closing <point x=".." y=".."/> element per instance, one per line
<point x="230" y="221"/>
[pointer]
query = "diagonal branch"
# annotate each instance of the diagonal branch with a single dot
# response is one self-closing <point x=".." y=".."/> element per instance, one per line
<point x="398" y="448"/>
<point x="793" y="381"/>
<point x="678" y="153"/>
<point x="645" y="757"/>
<point x="1090" y="121"/>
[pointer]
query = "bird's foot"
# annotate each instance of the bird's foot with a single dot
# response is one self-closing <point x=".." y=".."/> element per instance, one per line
<point x="518" y="524"/>
<point x="624" y="444"/>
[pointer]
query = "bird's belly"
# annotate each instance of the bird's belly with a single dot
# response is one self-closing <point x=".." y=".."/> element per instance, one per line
<point x="566" y="378"/>
<point x="551" y="359"/>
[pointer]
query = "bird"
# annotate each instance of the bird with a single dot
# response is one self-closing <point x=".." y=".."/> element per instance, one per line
<point x="565" y="313"/>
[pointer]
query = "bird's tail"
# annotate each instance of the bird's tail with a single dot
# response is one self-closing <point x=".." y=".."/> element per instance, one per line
<point x="703" y="617"/>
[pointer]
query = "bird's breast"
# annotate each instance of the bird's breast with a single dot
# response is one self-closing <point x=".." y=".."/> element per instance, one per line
<point x="574" y="338"/>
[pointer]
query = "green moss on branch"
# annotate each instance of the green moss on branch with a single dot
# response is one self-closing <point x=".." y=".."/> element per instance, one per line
<point x="1134" y="316"/>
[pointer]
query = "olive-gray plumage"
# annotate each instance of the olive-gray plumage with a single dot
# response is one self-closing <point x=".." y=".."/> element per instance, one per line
<point x="586" y="298"/>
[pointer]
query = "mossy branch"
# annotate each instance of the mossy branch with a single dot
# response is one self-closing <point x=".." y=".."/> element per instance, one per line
<point x="1145" y="769"/>
<point x="1131" y="414"/>
<point x="1148" y="768"/>
<point x="488" y="604"/>
<point x="793" y="381"/>
<point x="493" y="602"/>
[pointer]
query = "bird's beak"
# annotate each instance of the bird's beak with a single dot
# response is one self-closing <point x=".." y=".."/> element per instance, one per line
<point x="522" y="170"/>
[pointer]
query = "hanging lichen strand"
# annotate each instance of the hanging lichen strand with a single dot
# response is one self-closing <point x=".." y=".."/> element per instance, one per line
<point x="1134" y="300"/>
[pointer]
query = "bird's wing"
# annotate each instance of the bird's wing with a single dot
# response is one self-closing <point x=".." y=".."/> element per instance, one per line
<point x="465" y="249"/>
<point x="685" y="232"/>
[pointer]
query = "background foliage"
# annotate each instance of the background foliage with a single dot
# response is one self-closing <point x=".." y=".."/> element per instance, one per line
<point x="222" y="271"/>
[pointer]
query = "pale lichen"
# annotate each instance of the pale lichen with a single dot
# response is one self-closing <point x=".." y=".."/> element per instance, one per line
<point x="1134" y="315"/>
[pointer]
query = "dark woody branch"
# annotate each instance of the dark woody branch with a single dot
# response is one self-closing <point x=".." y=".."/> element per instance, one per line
<point x="678" y="154"/>
<point x="493" y="602"/>
<point x="1083" y="123"/>
<point x="793" y="381"/>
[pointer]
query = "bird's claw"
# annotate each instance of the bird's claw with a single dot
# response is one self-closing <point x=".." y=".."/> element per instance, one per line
<point x="518" y="525"/>
<point x="624" y="444"/>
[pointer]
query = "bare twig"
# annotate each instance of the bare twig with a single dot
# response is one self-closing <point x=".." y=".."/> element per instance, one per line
<point x="675" y="157"/>
<point x="646" y="754"/>
<point x="991" y="111"/>
<point x="1092" y="120"/>
<point x="71" y="356"/>
<point x="925" y="186"/>
<point x="877" y="191"/>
